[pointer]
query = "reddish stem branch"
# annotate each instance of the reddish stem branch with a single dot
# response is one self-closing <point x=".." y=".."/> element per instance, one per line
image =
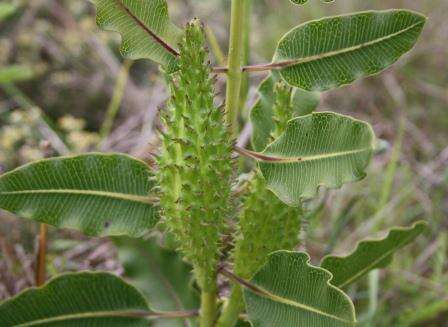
<point x="41" y="256"/>
<point x="257" y="68"/>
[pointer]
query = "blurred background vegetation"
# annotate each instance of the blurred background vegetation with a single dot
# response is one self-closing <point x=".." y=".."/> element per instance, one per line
<point x="65" y="89"/>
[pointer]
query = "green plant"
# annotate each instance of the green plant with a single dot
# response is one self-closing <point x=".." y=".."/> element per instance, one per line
<point x="214" y="211"/>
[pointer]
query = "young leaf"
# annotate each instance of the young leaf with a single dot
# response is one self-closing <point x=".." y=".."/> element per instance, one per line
<point x="80" y="299"/>
<point x="321" y="149"/>
<point x="370" y="254"/>
<point x="261" y="115"/>
<point x="98" y="194"/>
<point x="145" y="28"/>
<point x="161" y="274"/>
<point x="15" y="73"/>
<point x="333" y="51"/>
<point x="288" y="291"/>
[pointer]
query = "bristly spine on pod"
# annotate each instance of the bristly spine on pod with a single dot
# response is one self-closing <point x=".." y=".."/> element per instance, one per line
<point x="195" y="165"/>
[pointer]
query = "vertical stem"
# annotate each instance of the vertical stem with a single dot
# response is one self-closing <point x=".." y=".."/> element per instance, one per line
<point x="117" y="97"/>
<point x="374" y="278"/>
<point x="234" y="73"/>
<point x="41" y="256"/>
<point x="208" y="309"/>
<point x="246" y="52"/>
<point x="233" y="308"/>
<point x="214" y="45"/>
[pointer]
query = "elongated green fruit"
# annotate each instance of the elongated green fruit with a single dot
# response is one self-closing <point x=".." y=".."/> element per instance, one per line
<point x="266" y="223"/>
<point x="195" y="162"/>
<point x="262" y="115"/>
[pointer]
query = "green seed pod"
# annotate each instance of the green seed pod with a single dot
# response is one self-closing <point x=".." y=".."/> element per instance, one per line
<point x="282" y="108"/>
<point x="195" y="160"/>
<point x="266" y="223"/>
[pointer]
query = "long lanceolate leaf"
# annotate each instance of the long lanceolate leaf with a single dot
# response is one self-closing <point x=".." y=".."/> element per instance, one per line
<point x="145" y="28"/>
<point x="288" y="291"/>
<point x="370" y="254"/>
<point x="82" y="299"/>
<point x="333" y="51"/>
<point x="321" y="149"/>
<point x="98" y="194"/>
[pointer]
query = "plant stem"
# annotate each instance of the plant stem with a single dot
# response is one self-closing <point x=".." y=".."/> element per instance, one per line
<point x="234" y="72"/>
<point x="246" y="53"/>
<point x="41" y="256"/>
<point x="115" y="102"/>
<point x="214" y="45"/>
<point x="208" y="309"/>
<point x="233" y="308"/>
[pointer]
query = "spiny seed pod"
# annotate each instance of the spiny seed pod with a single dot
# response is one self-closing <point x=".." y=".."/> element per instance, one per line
<point x="195" y="161"/>
<point x="266" y="223"/>
<point x="282" y="108"/>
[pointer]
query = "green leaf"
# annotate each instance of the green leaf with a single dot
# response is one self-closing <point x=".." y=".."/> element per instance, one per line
<point x="98" y="194"/>
<point x="333" y="51"/>
<point x="145" y="27"/>
<point x="15" y="73"/>
<point x="160" y="274"/>
<point x="370" y="254"/>
<point x="261" y="115"/>
<point x="288" y="291"/>
<point x="81" y="299"/>
<point x="321" y="149"/>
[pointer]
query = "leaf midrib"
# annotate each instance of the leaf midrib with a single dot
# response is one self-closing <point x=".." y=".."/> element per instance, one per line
<point x="274" y="159"/>
<point x="378" y="260"/>
<point x="264" y="293"/>
<point x="115" y="195"/>
<point x="147" y="30"/>
<point x="303" y="60"/>
<point x="84" y="315"/>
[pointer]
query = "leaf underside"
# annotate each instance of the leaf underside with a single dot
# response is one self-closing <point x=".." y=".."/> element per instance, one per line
<point x="321" y="149"/>
<point x="98" y="194"/>
<point x="145" y="27"/>
<point x="370" y="254"/>
<point x="288" y="291"/>
<point x="261" y="115"/>
<point x="79" y="299"/>
<point x="333" y="51"/>
<point x="161" y="274"/>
